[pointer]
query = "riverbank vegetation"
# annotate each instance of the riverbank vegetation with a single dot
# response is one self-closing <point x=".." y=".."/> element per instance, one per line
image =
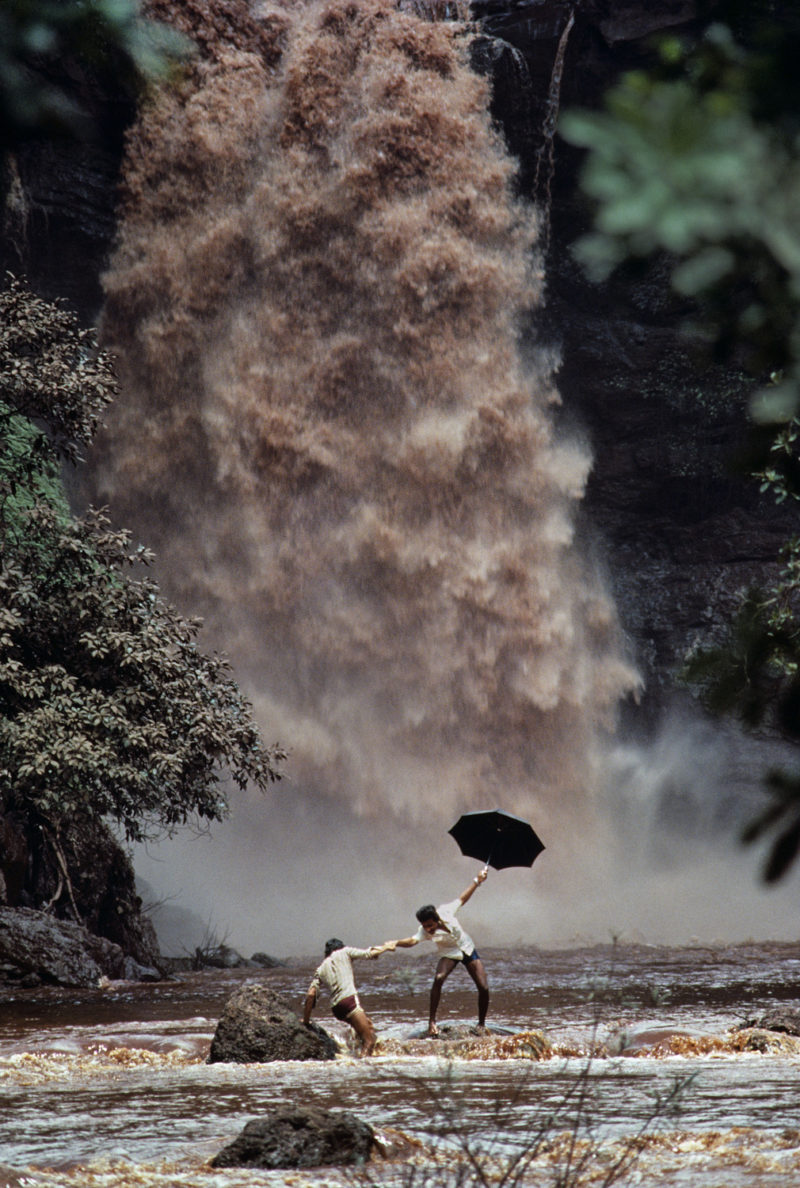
<point x="109" y="709"/>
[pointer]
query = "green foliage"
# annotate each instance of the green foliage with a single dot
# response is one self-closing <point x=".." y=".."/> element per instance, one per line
<point x="23" y="480"/>
<point x="753" y="671"/>
<point x="38" y="36"/>
<point x="107" y="706"/>
<point x="43" y="352"/>
<point x="697" y="162"/>
<point x="754" y="674"/>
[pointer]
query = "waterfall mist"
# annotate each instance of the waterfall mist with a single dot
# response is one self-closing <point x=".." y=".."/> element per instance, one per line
<point x="329" y="434"/>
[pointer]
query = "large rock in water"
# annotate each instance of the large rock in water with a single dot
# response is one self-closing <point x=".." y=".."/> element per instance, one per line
<point x="258" y="1026"/>
<point x="62" y="952"/>
<point x="305" y="1137"/>
<point x="782" y="1019"/>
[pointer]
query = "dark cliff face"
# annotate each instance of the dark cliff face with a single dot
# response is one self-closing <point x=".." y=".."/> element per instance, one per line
<point x="59" y="201"/>
<point x="98" y="893"/>
<point x="681" y="531"/>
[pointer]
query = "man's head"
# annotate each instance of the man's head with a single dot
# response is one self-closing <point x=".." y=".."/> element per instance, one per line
<point x="332" y="945"/>
<point x="428" y="917"/>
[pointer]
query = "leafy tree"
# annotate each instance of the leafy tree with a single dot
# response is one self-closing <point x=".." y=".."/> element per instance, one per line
<point x="97" y="37"/>
<point x="697" y="162"/>
<point x="699" y="159"/>
<point x="50" y="374"/>
<point x="108" y="708"/>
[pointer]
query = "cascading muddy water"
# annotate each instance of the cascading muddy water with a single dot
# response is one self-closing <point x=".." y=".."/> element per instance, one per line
<point x="330" y="436"/>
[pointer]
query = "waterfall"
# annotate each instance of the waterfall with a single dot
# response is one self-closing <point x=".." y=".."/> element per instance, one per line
<point x="331" y="435"/>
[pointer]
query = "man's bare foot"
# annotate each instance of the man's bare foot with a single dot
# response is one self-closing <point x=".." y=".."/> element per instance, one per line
<point x="432" y="1029"/>
<point x="479" y="1029"/>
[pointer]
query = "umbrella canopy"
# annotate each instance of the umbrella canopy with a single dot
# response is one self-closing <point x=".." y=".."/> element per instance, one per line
<point x="496" y="838"/>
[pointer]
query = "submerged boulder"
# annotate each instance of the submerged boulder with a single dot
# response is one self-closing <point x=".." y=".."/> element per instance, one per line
<point x="266" y="961"/>
<point x="650" y="1039"/>
<point x="258" y="1026"/>
<point x="773" y="1043"/>
<point x="220" y="957"/>
<point x="784" y="1019"/>
<point x="463" y="1042"/>
<point x="299" y="1137"/>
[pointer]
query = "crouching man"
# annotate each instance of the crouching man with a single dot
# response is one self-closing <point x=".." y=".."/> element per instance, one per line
<point x="336" y="973"/>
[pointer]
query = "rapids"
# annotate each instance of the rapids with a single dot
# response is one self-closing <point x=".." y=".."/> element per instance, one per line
<point x="109" y="1086"/>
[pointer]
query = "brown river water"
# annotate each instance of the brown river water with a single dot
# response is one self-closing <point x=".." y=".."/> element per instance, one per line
<point x="110" y="1086"/>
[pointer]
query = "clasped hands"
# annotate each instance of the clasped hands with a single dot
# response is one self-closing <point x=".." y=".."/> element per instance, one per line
<point x="376" y="950"/>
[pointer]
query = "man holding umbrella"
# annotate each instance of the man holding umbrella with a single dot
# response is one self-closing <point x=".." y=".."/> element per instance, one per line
<point x="497" y="839"/>
<point x="456" y="947"/>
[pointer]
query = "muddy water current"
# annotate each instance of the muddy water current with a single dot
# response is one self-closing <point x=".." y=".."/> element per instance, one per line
<point x="110" y="1086"/>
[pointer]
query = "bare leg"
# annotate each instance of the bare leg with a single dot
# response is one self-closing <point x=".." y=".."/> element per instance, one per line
<point x="362" y="1026"/>
<point x="478" y="974"/>
<point x="444" y="968"/>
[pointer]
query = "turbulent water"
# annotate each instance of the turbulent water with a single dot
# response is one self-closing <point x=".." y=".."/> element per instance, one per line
<point x="110" y="1087"/>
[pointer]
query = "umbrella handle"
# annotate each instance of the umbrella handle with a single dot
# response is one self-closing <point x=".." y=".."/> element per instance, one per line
<point x="476" y="882"/>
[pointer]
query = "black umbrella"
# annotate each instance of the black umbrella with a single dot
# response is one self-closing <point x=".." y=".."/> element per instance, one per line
<point x="497" y="838"/>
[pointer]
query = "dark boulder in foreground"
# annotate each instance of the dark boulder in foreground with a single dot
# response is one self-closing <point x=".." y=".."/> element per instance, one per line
<point x="259" y="1025"/>
<point x="783" y="1018"/>
<point x="58" y="951"/>
<point x="304" y="1137"/>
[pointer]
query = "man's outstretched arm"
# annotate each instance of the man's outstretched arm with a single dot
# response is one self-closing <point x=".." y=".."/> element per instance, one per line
<point x="407" y="942"/>
<point x="480" y="877"/>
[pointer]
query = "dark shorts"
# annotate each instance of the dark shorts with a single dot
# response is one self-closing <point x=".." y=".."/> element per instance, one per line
<point x="473" y="956"/>
<point x="345" y="1007"/>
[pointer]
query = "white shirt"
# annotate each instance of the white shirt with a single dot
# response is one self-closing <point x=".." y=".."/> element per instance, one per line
<point x="454" y="942"/>
<point x="336" y="972"/>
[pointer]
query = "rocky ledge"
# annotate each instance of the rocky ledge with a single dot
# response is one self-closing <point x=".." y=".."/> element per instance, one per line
<point x="35" y="948"/>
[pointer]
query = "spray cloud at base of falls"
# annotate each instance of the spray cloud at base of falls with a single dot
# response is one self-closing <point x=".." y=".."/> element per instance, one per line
<point x="330" y="436"/>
